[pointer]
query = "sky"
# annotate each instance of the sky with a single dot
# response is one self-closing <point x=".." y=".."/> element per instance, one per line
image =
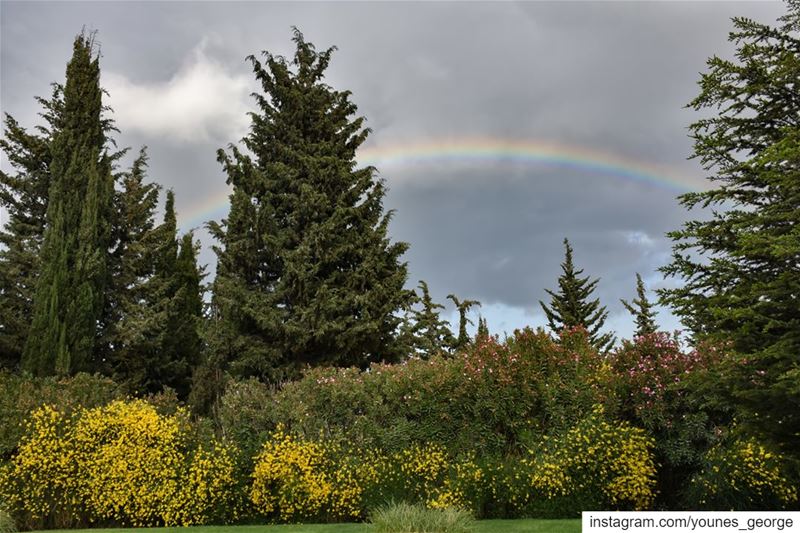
<point x="500" y="128"/>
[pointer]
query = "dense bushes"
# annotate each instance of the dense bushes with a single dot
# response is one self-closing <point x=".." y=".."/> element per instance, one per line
<point x="531" y="426"/>
<point x="20" y="396"/>
<point x="494" y="398"/>
<point x="595" y="464"/>
<point x="741" y="474"/>
<point x="123" y="464"/>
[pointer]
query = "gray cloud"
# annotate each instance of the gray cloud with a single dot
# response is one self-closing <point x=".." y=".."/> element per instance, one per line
<point x="612" y="77"/>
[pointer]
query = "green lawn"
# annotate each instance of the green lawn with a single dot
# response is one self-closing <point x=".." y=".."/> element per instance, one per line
<point x="483" y="526"/>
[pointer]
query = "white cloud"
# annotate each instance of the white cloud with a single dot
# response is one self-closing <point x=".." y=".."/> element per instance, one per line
<point x="201" y="101"/>
<point x="639" y="238"/>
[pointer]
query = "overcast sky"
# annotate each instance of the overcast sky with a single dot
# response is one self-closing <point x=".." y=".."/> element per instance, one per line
<point x="599" y="81"/>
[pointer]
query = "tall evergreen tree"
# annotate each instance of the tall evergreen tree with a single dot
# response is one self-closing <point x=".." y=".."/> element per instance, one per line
<point x="69" y="296"/>
<point x="428" y="332"/>
<point x="571" y="307"/>
<point x="463" y="308"/>
<point x="741" y="263"/>
<point x="158" y="335"/>
<point x="306" y="272"/>
<point x="642" y="310"/>
<point x="131" y="261"/>
<point x="23" y="194"/>
<point x="483" y="329"/>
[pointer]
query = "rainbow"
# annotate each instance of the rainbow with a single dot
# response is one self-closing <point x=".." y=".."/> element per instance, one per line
<point x="491" y="152"/>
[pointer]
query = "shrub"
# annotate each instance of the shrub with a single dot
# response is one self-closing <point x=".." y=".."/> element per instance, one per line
<point x="666" y="390"/>
<point x="21" y="395"/>
<point x="6" y="521"/>
<point x="406" y="518"/>
<point x="493" y="399"/>
<point x="742" y="475"/>
<point x="296" y="479"/>
<point x="595" y="465"/>
<point x="122" y="464"/>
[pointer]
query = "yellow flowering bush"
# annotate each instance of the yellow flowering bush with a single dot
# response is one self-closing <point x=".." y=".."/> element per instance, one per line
<point x="598" y="463"/>
<point x="119" y="464"/>
<point x="742" y="475"/>
<point x="41" y="485"/>
<point x="296" y="479"/>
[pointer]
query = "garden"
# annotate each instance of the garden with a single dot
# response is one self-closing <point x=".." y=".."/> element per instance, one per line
<point x="527" y="427"/>
<point x="309" y="384"/>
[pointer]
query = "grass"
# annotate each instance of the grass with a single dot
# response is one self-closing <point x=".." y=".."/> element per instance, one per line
<point x="404" y="517"/>
<point x="481" y="526"/>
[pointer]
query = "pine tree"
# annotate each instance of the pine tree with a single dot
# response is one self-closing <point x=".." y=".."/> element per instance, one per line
<point x="463" y="308"/>
<point x="428" y="332"/>
<point x="570" y="307"/>
<point x="23" y="194"/>
<point x="306" y="272"/>
<point x="642" y="310"/>
<point x="69" y="296"/>
<point x="741" y="263"/>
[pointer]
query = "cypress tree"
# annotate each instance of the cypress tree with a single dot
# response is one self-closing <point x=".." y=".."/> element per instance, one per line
<point x="642" y="310"/>
<point x="306" y="272"/>
<point x="24" y="195"/>
<point x="69" y="296"/>
<point x="483" y="329"/>
<point x="741" y="263"/>
<point x="570" y="307"/>
<point x="463" y="308"/>
<point x="159" y="340"/>
<point x="130" y="263"/>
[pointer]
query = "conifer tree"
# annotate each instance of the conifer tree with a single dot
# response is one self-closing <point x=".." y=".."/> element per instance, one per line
<point x="130" y="263"/>
<point x="306" y="272"/>
<point x="463" y="308"/>
<point x="69" y="296"/>
<point x="159" y="337"/>
<point x="428" y="332"/>
<point x="570" y="307"/>
<point x="741" y="264"/>
<point x="23" y="195"/>
<point x="483" y="329"/>
<point x="642" y="310"/>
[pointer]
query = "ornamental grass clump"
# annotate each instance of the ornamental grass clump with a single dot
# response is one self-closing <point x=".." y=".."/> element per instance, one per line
<point x="404" y="517"/>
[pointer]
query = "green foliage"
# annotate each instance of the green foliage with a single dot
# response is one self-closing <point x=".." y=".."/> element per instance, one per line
<point x="739" y="262"/>
<point x="7" y="524"/>
<point x="20" y="396"/>
<point x="130" y="262"/>
<point x="404" y="518"/>
<point x="306" y="271"/>
<point x="571" y="308"/>
<point x="597" y="464"/>
<point x="70" y="291"/>
<point x="463" y="308"/>
<point x="492" y="398"/>
<point x="119" y="464"/>
<point x="425" y="333"/>
<point x="159" y="331"/>
<point x="23" y="195"/>
<point x="642" y="310"/>
<point x="483" y="329"/>
<point x="661" y="389"/>
<point x="742" y="474"/>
